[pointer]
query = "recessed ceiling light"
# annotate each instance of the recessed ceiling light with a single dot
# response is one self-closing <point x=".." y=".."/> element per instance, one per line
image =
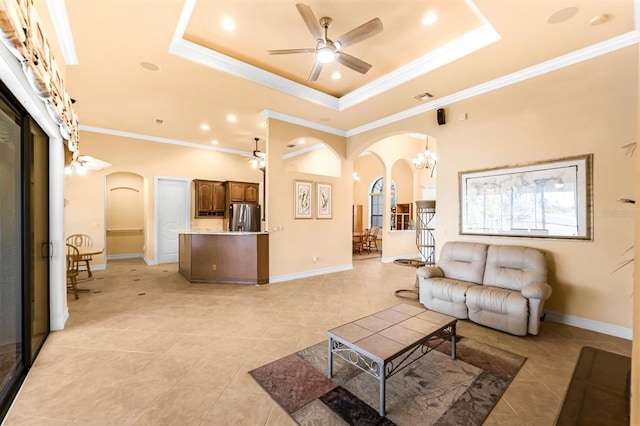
<point x="302" y="142"/>
<point x="149" y="66"/>
<point x="159" y="121"/>
<point x="291" y="145"/>
<point x="228" y="24"/>
<point x="563" y="15"/>
<point x="336" y="75"/>
<point x="204" y="126"/>
<point x="231" y="118"/>
<point x="214" y="142"/>
<point x="429" y="18"/>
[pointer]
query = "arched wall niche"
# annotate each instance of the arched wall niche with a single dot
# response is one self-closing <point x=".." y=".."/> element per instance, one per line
<point x="125" y="215"/>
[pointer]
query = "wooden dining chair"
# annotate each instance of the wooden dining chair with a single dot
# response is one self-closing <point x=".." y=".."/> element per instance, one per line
<point x="73" y="269"/>
<point x="364" y="240"/>
<point x="373" y="237"/>
<point x="83" y="243"/>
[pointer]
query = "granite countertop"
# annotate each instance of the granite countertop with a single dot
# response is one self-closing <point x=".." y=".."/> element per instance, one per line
<point x="215" y="232"/>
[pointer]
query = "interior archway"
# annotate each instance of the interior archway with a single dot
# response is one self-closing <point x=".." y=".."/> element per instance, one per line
<point x="124" y="215"/>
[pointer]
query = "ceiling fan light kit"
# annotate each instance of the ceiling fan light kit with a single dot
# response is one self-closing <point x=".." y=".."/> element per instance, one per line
<point x="328" y="50"/>
<point x="325" y="55"/>
<point x="258" y="160"/>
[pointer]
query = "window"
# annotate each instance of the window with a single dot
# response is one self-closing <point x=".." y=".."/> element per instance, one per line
<point x="376" y="201"/>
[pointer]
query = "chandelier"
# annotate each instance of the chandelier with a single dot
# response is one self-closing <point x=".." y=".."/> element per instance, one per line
<point x="426" y="159"/>
<point x="258" y="160"/>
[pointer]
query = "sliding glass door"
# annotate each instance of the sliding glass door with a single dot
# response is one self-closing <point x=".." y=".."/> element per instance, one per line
<point x="24" y="245"/>
<point x="12" y="366"/>
<point x="39" y="247"/>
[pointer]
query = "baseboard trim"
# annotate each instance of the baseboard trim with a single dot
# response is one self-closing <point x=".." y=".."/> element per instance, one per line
<point x="94" y="267"/>
<point x="307" y="274"/>
<point x="125" y="256"/>
<point x="587" y="324"/>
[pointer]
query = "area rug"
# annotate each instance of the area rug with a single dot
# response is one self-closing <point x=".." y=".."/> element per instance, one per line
<point x="434" y="390"/>
<point x="598" y="393"/>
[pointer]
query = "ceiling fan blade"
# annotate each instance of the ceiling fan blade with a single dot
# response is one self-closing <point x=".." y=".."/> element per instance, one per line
<point x="310" y="20"/>
<point x="287" y="51"/>
<point x="363" y="32"/>
<point x="352" y="62"/>
<point x="92" y="163"/>
<point x="315" y="71"/>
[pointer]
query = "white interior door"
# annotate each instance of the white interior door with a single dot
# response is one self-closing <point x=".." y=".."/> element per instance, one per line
<point x="172" y="205"/>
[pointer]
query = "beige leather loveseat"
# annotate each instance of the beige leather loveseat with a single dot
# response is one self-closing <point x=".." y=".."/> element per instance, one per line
<point x="500" y="286"/>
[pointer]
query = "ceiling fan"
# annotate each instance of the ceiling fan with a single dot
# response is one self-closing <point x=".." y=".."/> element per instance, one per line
<point x="82" y="163"/>
<point x="328" y="50"/>
<point x="258" y="158"/>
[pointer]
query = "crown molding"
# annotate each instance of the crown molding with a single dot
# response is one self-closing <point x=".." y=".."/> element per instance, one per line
<point x="149" y="138"/>
<point x="60" y="20"/>
<point x="267" y="113"/>
<point x="625" y="40"/>
<point x="462" y="46"/>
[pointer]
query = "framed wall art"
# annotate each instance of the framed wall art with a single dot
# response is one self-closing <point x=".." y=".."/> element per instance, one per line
<point x="549" y="199"/>
<point x="302" y="196"/>
<point x="324" y="201"/>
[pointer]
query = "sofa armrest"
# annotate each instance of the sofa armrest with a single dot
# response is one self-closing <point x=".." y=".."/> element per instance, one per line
<point x="429" y="272"/>
<point x="540" y="291"/>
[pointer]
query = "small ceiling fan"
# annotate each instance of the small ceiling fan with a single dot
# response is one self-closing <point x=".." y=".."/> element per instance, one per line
<point x="258" y="158"/>
<point x="82" y="163"/>
<point x="328" y="50"/>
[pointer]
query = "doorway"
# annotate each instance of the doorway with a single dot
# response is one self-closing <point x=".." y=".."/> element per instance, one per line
<point x="125" y="215"/>
<point x="172" y="208"/>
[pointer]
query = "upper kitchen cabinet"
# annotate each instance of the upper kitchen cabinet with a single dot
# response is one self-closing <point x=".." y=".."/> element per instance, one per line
<point x="242" y="191"/>
<point x="210" y="198"/>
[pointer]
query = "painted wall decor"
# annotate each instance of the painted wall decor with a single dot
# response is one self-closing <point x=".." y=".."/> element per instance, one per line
<point x="551" y="199"/>
<point x="302" y="193"/>
<point x="324" y="201"/>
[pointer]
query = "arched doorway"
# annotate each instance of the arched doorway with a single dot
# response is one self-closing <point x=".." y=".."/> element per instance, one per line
<point x="124" y="216"/>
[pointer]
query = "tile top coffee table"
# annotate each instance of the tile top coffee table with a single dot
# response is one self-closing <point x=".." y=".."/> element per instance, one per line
<point x="388" y="341"/>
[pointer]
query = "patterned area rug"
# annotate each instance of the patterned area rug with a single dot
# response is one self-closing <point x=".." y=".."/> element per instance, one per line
<point x="434" y="390"/>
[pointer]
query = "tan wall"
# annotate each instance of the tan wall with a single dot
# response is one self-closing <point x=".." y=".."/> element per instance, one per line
<point x="635" y="353"/>
<point x="318" y="162"/>
<point x="294" y="243"/>
<point x="586" y="108"/>
<point x="84" y="209"/>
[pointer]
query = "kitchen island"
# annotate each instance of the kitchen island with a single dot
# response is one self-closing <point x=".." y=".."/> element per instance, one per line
<point x="224" y="257"/>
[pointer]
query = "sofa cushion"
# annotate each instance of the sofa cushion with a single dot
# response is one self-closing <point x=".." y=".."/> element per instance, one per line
<point x="446" y="296"/>
<point x="499" y="308"/>
<point x="514" y="267"/>
<point x="463" y="261"/>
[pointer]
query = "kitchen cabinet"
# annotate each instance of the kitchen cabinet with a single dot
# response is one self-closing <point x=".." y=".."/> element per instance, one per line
<point x="224" y="257"/>
<point x="242" y="192"/>
<point x="210" y="198"/>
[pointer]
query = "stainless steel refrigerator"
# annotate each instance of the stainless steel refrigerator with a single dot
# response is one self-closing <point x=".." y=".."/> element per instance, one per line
<point x="244" y="217"/>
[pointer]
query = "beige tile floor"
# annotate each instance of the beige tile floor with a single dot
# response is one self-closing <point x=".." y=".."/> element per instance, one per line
<point x="145" y="347"/>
